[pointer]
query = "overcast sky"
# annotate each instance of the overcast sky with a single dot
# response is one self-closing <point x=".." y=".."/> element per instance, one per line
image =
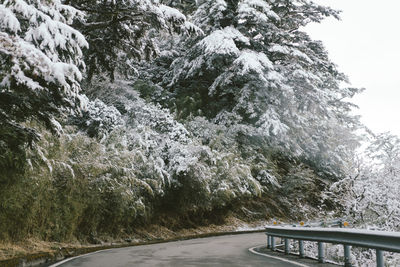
<point x="365" y="45"/>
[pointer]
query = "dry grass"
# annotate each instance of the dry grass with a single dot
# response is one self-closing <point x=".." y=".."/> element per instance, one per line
<point x="32" y="246"/>
<point x="29" y="246"/>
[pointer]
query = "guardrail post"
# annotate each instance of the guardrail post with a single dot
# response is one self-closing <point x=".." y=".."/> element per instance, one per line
<point x="347" y="262"/>
<point x="287" y="246"/>
<point x="272" y="243"/>
<point x="379" y="258"/>
<point x="301" y="248"/>
<point x="268" y="241"/>
<point x="321" y="254"/>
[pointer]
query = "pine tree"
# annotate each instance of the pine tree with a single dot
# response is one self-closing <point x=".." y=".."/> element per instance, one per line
<point x="256" y="66"/>
<point x="40" y="69"/>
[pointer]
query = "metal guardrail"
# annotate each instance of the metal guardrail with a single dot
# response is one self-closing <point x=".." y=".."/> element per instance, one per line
<point x="378" y="240"/>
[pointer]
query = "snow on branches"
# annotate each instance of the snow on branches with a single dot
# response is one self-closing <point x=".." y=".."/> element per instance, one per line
<point x="121" y="32"/>
<point x="254" y="60"/>
<point x="41" y="63"/>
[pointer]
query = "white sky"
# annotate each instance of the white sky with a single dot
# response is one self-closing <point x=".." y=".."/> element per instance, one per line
<point x="365" y="45"/>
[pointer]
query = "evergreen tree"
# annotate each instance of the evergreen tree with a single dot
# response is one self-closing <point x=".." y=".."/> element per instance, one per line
<point x="40" y="69"/>
<point x="256" y="66"/>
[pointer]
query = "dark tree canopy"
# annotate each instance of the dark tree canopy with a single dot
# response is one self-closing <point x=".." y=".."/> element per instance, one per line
<point x="120" y="32"/>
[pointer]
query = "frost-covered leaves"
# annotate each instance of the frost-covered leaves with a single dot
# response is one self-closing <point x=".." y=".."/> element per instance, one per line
<point x="121" y="32"/>
<point x="370" y="195"/>
<point x="40" y="63"/>
<point x="201" y="175"/>
<point x="385" y="152"/>
<point x="98" y="119"/>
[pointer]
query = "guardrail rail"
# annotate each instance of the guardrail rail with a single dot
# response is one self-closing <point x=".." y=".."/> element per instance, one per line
<point x="379" y="240"/>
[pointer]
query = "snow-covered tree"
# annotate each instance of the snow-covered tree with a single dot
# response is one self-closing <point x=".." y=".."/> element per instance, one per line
<point x="40" y="67"/>
<point x="257" y="65"/>
<point x="120" y="32"/>
<point x="370" y="194"/>
<point x="385" y="153"/>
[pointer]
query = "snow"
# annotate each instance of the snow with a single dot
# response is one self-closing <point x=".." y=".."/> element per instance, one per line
<point x="59" y="71"/>
<point x="275" y="76"/>
<point x="172" y="13"/>
<point x="247" y="227"/>
<point x="223" y="41"/>
<point x="168" y="15"/>
<point x="270" y="123"/>
<point x="253" y="61"/>
<point x="53" y="34"/>
<point x="20" y="6"/>
<point x="299" y="54"/>
<point x="219" y="6"/>
<point x="258" y="9"/>
<point x="248" y="9"/>
<point x="99" y="118"/>
<point x="279" y="49"/>
<point x="300" y="73"/>
<point x="43" y="55"/>
<point x="190" y="27"/>
<point x="8" y="20"/>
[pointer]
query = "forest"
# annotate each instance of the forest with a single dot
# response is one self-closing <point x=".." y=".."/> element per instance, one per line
<point x="117" y="114"/>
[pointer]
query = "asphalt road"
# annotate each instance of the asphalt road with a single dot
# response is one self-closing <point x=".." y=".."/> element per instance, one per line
<point x="231" y="250"/>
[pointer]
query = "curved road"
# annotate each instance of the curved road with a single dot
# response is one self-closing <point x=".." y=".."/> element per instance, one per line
<point x="230" y="250"/>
